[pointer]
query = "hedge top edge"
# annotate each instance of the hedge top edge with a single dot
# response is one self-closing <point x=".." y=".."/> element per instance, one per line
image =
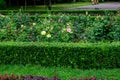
<point x="61" y="44"/>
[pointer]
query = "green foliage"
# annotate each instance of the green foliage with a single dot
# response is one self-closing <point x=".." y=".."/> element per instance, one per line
<point x="75" y="55"/>
<point x="63" y="73"/>
<point x="59" y="28"/>
<point x="92" y="12"/>
<point x="2" y="4"/>
<point x="103" y="28"/>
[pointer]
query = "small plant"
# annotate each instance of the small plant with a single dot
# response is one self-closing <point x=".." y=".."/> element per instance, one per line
<point x="9" y="77"/>
<point x="31" y="77"/>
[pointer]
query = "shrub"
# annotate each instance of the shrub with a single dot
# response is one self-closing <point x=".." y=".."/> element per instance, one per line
<point x="59" y="28"/>
<point x="92" y="12"/>
<point x="75" y="55"/>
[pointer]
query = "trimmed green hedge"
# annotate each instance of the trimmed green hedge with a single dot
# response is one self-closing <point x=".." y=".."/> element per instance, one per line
<point x="75" y="55"/>
<point x="63" y="11"/>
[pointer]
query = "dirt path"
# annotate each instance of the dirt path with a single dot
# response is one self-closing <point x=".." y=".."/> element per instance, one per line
<point x="106" y="6"/>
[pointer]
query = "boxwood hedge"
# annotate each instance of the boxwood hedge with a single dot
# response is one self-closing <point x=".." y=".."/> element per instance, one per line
<point x="96" y="11"/>
<point x="75" y="55"/>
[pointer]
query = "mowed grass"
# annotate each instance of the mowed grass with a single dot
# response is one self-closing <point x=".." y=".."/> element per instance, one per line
<point x="64" y="73"/>
<point x="62" y="6"/>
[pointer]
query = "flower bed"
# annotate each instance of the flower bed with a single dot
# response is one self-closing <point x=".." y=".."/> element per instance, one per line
<point x="60" y="28"/>
<point x="31" y="77"/>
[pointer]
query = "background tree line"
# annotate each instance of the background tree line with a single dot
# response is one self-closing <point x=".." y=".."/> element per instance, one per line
<point x="7" y="3"/>
<point x="4" y="3"/>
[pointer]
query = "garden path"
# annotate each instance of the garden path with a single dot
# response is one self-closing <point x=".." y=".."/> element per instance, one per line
<point x="104" y="6"/>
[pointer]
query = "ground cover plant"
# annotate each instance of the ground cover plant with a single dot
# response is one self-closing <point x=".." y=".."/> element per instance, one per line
<point x="60" y="28"/>
<point x="30" y="77"/>
<point x="62" y="73"/>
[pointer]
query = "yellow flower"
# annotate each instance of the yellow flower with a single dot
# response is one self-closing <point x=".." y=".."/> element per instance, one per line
<point x="68" y="24"/>
<point x="63" y="30"/>
<point x="34" y="24"/>
<point x="98" y="16"/>
<point x="49" y="35"/>
<point x="86" y="13"/>
<point x="22" y="26"/>
<point x="43" y="32"/>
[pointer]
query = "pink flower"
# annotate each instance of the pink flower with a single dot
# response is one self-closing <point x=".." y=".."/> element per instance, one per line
<point x="93" y="78"/>
<point x="69" y="30"/>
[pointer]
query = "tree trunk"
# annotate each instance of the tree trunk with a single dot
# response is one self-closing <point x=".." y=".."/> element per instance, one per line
<point x="17" y="2"/>
<point x="49" y="5"/>
<point x="25" y="4"/>
<point x="74" y="0"/>
<point x="9" y="3"/>
<point x="44" y="2"/>
<point x="34" y="3"/>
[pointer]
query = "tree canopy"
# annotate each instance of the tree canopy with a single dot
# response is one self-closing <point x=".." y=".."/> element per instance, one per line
<point x="2" y="4"/>
<point x="35" y="2"/>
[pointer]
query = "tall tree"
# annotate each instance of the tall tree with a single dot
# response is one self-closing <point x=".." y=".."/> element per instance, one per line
<point x="49" y="4"/>
<point x="74" y="0"/>
<point x="2" y="4"/>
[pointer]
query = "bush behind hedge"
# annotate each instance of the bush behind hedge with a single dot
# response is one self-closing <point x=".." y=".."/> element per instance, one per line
<point x="75" y="55"/>
<point x="59" y="28"/>
<point x="99" y="12"/>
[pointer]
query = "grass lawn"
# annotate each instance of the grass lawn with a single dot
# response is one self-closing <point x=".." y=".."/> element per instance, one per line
<point x="54" y="6"/>
<point x="64" y="73"/>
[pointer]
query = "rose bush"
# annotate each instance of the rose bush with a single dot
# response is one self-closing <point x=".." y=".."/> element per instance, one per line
<point x="60" y="28"/>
